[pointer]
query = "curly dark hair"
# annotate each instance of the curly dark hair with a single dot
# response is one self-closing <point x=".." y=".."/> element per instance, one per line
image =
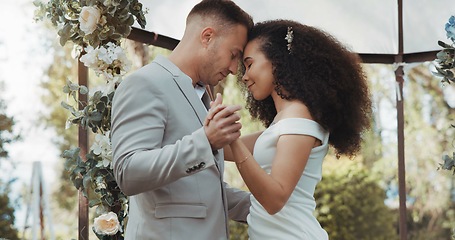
<point x="320" y="72"/>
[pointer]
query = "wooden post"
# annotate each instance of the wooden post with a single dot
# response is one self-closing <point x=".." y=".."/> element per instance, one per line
<point x="400" y="126"/>
<point x="83" y="145"/>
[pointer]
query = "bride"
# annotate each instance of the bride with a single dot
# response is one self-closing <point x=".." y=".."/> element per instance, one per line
<point x="310" y="92"/>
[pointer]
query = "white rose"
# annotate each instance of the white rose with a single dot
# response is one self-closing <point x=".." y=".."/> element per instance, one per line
<point x="88" y="18"/>
<point x="107" y="224"/>
<point x="90" y="58"/>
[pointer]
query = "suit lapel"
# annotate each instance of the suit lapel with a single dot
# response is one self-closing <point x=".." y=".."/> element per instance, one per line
<point x="187" y="89"/>
<point x="185" y="85"/>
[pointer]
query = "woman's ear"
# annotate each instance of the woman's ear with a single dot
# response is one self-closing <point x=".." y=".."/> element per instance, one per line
<point x="206" y="36"/>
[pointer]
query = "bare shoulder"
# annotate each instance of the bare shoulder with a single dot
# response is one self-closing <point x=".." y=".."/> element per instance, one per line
<point x="296" y="109"/>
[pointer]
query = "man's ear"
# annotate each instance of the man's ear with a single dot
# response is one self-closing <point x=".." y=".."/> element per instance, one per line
<point x="206" y="36"/>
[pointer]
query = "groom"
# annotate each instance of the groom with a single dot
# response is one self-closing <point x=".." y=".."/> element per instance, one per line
<point x="169" y="164"/>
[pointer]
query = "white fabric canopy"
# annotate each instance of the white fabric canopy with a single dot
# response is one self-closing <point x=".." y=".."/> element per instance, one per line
<point x="365" y="26"/>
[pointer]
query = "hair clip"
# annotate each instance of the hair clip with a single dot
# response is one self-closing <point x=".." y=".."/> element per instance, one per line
<point x="289" y="37"/>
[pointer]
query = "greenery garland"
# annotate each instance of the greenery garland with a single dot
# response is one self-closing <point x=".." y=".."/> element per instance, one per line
<point x="96" y="27"/>
<point x="445" y="68"/>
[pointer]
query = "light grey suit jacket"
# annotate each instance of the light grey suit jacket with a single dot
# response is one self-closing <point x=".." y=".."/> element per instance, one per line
<point x="163" y="160"/>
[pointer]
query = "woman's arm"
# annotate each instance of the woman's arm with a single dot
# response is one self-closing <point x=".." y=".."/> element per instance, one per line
<point x="248" y="140"/>
<point x="274" y="189"/>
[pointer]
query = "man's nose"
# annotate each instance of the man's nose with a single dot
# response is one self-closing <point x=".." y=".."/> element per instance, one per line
<point x="233" y="68"/>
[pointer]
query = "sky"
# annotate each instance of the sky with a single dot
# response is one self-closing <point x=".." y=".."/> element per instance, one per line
<point x="22" y="62"/>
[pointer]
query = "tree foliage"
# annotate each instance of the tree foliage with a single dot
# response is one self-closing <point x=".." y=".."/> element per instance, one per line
<point x="351" y="203"/>
<point x="7" y="136"/>
<point x="6" y="131"/>
<point x="7" y="229"/>
<point x="428" y="132"/>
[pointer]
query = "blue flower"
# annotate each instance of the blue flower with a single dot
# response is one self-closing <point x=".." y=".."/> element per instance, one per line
<point x="450" y="28"/>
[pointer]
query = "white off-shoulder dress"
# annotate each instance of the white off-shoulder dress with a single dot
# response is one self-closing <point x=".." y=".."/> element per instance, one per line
<point x="296" y="219"/>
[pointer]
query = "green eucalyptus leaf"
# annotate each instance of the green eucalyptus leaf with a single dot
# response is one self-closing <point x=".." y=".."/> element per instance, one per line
<point x="66" y="89"/>
<point x="101" y="209"/>
<point x="100" y="106"/>
<point x="116" y="36"/>
<point x="94" y="202"/>
<point x="109" y="200"/>
<point x="74" y="87"/>
<point x="96" y="116"/>
<point x="64" y="33"/>
<point x="97" y="96"/>
<point x="444" y="45"/>
<point x="123" y="5"/>
<point x="448" y="163"/>
<point x="91" y="2"/>
<point x="65" y="105"/>
<point x="141" y="20"/>
<point x="129" y="21"/>
<point x="104" y="99"/>
<point x="87" y="181"/>
<point x="111" y="10"/>
<point x="442" y="55"/>
<point x="71" y="153"/>
<point x="78" y="183"/>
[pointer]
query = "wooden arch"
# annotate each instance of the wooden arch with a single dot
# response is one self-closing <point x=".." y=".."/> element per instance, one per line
<point x="162" y="41"/>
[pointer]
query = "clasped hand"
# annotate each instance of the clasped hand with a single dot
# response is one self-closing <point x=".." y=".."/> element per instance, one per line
<point x="221" y="124"/>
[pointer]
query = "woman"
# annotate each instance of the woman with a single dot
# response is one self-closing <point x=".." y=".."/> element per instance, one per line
<point x="310" y="92"/>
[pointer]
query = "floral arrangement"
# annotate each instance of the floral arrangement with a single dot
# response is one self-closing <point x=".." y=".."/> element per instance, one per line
<point x="445" y="66"/>
<point x="445" y="62"/>
<point x="96" y="27"/>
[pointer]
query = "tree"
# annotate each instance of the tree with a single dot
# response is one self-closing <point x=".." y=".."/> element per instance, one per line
<point x="7" y="229"/>
<point x="429" y="130"/>
<point x="350" y="203"/>
<point x="7" y="136"/>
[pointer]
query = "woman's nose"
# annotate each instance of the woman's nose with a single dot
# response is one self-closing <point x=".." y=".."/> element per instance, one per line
<point x="245" y="78"/>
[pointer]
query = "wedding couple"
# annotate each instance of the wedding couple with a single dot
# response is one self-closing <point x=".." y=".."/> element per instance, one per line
<point x="169" y="150"/>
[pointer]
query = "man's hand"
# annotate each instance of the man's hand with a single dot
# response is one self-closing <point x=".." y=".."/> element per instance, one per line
<point x="220" y="125"/>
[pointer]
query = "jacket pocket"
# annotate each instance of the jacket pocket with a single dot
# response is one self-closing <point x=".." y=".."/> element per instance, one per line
<point x="181" y="210"/>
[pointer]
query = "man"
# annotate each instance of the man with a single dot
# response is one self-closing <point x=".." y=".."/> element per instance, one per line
<point x="169" y="164"/>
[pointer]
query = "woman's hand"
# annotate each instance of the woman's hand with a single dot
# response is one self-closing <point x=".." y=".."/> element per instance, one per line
<point x="221" y="125"/>
<point x="215" y="107"/>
